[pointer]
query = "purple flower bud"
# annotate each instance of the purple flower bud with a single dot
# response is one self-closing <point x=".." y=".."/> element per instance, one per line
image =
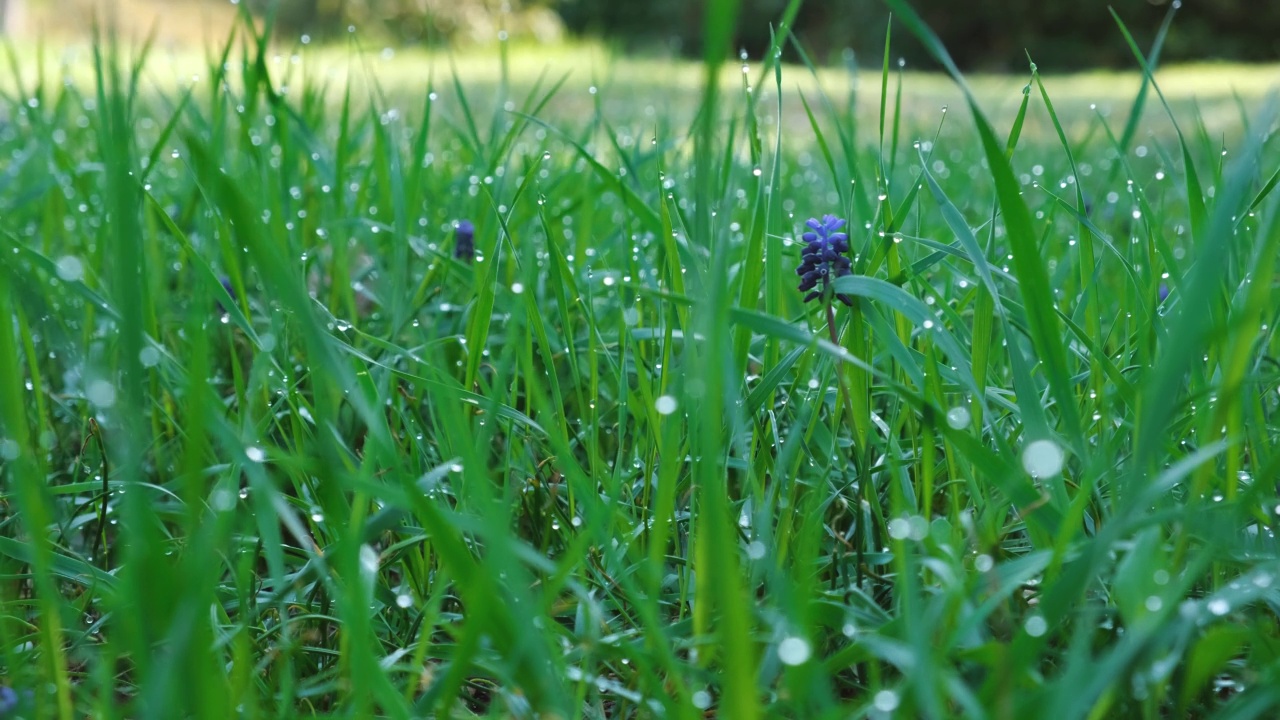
<point x="13" y="702"/>
<point x="231" y="290"/>
<point x="8" y="699"/>
<point x="464" y="235"/>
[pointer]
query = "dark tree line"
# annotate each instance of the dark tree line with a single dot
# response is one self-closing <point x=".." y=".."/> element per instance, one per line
<point x="981" y="34"/>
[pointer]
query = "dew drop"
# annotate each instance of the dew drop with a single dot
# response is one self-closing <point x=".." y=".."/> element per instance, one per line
<point x="794" y="651"/>
<point x="899" y="528"/>
<point x="886" y="701"/>
<point x="1036" y="626"/>
<point x="958" y="418"/>
<point x="222" y="500"/>
<point x="70" y="268"/>
<point x="368" y="559"/>
<point x="665" y="405"/>
<point x="101" y="393"/>
<point x="1042" y="458"/>
<point x="701" y="699"/>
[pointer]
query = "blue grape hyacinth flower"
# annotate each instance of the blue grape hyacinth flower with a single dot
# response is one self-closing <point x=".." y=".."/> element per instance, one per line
<point x="231" y="290"/>
<point x="824" y="258"/>
<point x="464" y="235"/>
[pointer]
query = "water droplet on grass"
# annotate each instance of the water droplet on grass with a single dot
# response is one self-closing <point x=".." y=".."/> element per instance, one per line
<point x="222" y="500"/>
<point x="1219" y="607"/>
<point x="958" y="418"/>
<point x="917" y="528"/>
<point x="101" y="393"/>
<point x="983" y="563"/>
<point x="886" y="701"/>
<point x="368" y="559"/>
<point x="70" y="268"/>
<point x="794" y="651"/>
<point x="255" y="453"/>
<point x="1042" y="458"/>
<point x="899" y="528"/>
<point x="701" y="699"/>
<point x="665" y="405"/>
<point x="1035" y="626"/>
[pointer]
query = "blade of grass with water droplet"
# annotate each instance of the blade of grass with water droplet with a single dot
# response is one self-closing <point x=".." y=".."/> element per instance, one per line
<point x="1033" y="280"/>
<point x="1089" y="306"/>
<point x="914" y="310"/>
<point x="24" y="473"/>
<point x="1189" y="328"/>
<point x="1195" y="193"/>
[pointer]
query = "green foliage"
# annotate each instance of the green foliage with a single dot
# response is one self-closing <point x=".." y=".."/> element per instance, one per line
<point x="270" y="450"/>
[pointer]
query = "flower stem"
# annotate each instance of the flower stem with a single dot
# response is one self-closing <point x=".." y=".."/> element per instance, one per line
<point x="863" y="481"/>
<point x="844" y="391"/>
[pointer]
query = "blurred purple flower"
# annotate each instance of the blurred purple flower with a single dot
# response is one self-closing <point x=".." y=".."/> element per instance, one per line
<point x="1164" y="291"/>
<point x="464" y="235"/>
<point x="13" y="703"/>
<point x="231" y="290"/>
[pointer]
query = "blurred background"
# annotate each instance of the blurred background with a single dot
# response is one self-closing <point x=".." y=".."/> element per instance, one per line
<point x="984" y="35"/>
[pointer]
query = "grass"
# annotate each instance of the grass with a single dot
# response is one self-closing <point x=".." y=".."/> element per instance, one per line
<point x="271" y="449"/>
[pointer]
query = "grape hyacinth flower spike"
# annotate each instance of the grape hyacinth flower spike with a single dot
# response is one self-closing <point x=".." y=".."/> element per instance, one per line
<point x="231" y="290"/>
<point x="464" y="235"/>
<point x="824" y="258"/>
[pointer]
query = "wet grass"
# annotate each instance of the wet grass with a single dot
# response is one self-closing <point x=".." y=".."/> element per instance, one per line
<point x="271" y="447"/>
